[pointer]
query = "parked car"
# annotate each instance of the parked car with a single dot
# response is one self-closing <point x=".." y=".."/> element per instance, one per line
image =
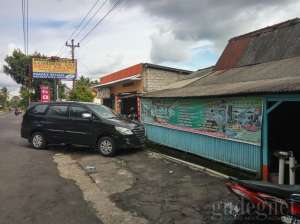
<point x="80" y="123"/>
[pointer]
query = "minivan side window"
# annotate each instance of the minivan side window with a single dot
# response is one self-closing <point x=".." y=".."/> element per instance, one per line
<point x="58" y="111"/>
<point x="76" y="112"/>
<point x="39" y="109"/>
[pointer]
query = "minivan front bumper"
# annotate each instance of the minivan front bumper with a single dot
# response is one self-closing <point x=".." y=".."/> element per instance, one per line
<point x="129" y="141"/>
<point x="136" y="140"/>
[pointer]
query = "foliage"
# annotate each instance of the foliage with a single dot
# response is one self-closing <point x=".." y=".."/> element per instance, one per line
<point x="3" y="97"/>
<point x="15" y="101"/>
<point x="82" y="90"/>
<point x="94" y="82"/>
<point x="17" y="66"/>
<point x="25" y="97"/>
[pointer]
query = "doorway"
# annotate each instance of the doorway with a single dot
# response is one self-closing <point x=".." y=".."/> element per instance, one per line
<point x="109" y="102"/>
<point x="283" y="133"/>
<point x="129" y="105"/>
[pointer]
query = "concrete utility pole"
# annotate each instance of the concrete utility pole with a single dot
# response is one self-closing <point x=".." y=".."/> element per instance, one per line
<point x="73" y="46"/>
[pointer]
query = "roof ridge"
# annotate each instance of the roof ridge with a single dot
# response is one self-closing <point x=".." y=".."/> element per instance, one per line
<point x="268" y="28"/>
<point x="168" y="68"/>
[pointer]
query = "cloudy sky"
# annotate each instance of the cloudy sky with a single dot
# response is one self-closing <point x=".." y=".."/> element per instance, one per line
<point x="189" y="34"/>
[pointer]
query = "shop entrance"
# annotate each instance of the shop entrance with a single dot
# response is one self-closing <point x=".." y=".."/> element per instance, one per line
<point x="109" y="102"/>
<point x="129" y="106"/>
<point x="283" y="133"/>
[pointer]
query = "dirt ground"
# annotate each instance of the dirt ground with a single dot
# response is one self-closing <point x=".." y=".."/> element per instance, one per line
<point x="144" y="187"/>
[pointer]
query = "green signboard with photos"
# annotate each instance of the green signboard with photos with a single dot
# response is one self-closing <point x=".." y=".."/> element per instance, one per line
<point x="229" y="118"/>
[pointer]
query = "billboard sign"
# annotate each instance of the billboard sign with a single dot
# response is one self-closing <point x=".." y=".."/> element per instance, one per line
<point x="48" y="68"/>
<point x="45" y="94"/>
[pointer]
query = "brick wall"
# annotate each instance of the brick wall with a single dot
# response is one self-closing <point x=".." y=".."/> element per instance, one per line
<point x="155" y="79"/>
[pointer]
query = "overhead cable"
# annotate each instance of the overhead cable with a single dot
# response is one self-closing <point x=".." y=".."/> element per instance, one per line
<point x="115" y="5"/>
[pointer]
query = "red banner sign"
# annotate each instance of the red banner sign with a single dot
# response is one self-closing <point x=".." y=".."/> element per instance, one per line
<point x="45" y="94"/>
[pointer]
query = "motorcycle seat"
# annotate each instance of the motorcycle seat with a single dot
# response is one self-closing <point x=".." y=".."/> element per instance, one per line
<point x="281" y="191"/>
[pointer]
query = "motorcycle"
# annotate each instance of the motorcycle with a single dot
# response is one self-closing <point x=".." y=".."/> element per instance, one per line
<point x="17" y="112"/>
<point x="264" y="202"/>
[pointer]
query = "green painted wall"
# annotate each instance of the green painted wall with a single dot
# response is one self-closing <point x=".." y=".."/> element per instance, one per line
<point x="237" y="119"/>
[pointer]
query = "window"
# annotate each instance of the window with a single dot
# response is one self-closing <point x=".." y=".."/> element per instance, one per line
<point x="76" y="112"/>
<point x="39" y="109"/>
<point x="102" y="111"/>
<point x="58" y="111"/>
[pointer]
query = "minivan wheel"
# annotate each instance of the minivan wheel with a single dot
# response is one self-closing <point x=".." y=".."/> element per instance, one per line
<point x="106" y="146"/>
<point x="38" y="140"/>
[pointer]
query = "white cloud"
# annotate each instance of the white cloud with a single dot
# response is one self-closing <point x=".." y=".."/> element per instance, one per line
<point x="9" y="83"/>
<point x="5" y="80"/>
<point x="166" y="48"/>
<point x="215" y="20"/>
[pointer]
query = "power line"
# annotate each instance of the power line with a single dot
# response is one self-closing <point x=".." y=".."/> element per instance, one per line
<point x="115" y="5"/>
<point x="91" y="18"/>
<point x="86" y="43"/>
<point x="23" y="25"/>
<point x="27" y="28"/>
<point x="83" y="20"/>
<point x="79" y="25"/>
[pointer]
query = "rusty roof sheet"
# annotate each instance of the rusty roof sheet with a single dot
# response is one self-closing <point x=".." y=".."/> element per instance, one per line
<point x="268" y="44"/>
<point x="232" y="53"/>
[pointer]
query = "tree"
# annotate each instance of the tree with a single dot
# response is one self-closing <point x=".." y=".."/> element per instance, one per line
<point x="4" y="97"/>
<point x="15" y="101"/>
<point x="25" y="95"/>
<point x="82" y="90"/>
<point x="94" y="82"/>
<point x="17" y="67"/>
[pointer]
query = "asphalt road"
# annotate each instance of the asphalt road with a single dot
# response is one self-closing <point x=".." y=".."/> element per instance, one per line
<point x="31" y="189"/>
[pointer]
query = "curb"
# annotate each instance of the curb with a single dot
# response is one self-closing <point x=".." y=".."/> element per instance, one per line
<point x="194" y="166"/>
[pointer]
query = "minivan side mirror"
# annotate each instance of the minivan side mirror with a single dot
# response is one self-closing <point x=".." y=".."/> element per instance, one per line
<point x="86" y="116"/>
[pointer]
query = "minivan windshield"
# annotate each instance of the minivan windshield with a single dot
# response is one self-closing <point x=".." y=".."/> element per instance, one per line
<point x="103" y="111"/>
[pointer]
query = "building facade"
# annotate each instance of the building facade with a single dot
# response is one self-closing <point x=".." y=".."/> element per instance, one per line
<point x="240" y="112"/>
<point x="121" y="90"/>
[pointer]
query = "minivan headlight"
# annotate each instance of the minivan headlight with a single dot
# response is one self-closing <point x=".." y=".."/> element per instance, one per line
<point x="124" y="131"/>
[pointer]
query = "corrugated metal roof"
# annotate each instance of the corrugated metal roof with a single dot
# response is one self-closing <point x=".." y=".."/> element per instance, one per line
<point x="268" y="44"/>
<point x="269" y="28"/>
<point x="232" y="53"/>
<point x="201" y="72"/>
<point x="271" y="77"/>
